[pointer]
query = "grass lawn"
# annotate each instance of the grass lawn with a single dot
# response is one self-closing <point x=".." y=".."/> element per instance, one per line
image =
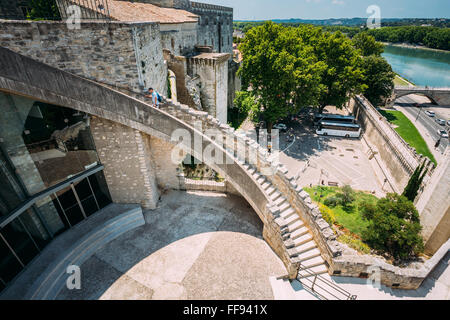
<point x="398" y="81"/>
<point x="407" y="130"/>
<point x="347" y="217"/>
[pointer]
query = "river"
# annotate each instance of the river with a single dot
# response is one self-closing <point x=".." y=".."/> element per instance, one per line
<point x="420" y="66"/>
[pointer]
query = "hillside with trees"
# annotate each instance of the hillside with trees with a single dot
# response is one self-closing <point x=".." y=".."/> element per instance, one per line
<point x="435" y="37"/>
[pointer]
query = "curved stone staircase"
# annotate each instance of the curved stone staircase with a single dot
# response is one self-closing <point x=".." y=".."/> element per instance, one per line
<point x="293" y="226"/>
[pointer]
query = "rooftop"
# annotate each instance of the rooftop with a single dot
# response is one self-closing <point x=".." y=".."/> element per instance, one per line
<point x="143" y="12"/>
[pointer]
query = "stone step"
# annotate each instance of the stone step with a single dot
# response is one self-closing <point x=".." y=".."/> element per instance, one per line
<point x="271" y="191"/>
<point x="298" y="250"/>
<point x="252" y="170"/>
<point x="287" y="213"/>
<point x="291" y="219"/>
<point x="313" y="262"/>
<point x="280" y="201"/>
<point x="303" y="239"/>
<point x="299" y="232"/>
<point x="266" y="185"/>
<point x="261" y="180"/>
<point x="284" y="206"/>
<point x="275" y="196"/>
<point x="288" y="243"/>
<point x="297" y="224"/>
<point x="317" y="270"/>
<point x="315" y="252"/>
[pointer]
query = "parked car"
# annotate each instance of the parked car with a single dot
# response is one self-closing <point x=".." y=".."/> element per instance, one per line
<point x="448" y="123"/>
<point x="442" y="133"/>
<point x="441" y="122"/>
<point x="280" y="126"/>
<point x="430" y="113"/>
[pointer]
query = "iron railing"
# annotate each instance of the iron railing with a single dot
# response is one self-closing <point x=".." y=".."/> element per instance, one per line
<point x="327" y="289"/>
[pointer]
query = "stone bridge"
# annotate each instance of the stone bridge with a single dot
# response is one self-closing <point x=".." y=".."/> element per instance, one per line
<point x="439" y="96"/>
<point x="293" y="226"/>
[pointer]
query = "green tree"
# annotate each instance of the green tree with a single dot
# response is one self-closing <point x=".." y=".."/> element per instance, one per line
<point x="246" y="104"/>
<point x="367" y="44"/>
<point x="348" y="195"/>
<point x="43" y="9"/>
<point x="378" y="78"/>
<point x="343" y="77"/>
<point x="281" y="69"/>
<point x="394" y="226"/>
<point x="415" y="182"/>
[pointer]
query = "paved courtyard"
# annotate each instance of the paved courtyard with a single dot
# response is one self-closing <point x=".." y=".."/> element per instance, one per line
<point x="315" y="159"/>
<point x="196" y="245"/>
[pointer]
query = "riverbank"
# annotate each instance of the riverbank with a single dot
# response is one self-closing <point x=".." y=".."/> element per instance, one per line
<point x="413" y="46"/>
<point x="402" y="82"/>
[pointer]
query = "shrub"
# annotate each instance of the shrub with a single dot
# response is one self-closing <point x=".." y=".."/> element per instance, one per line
<point x="327" y="214"/>
<point x="354" y="243"/>
<point x="347" y="195"/>
<point x="394" y="226"/>
<point x="332" y="202"/>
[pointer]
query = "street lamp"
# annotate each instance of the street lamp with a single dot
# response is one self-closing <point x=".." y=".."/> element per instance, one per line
<point x="418" y="114"/>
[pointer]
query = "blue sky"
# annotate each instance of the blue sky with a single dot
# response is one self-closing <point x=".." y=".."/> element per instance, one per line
<point x="324" y="9"/>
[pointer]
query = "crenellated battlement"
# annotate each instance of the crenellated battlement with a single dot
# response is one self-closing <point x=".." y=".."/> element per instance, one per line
<point x="207" y="6"/>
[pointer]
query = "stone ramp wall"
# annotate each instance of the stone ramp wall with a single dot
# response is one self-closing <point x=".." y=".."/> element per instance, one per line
<point x="399" y="158"/>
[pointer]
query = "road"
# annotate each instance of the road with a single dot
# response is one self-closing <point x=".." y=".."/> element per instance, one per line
<point x="406" y="104"/>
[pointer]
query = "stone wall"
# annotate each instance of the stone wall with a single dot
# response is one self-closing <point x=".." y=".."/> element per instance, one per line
<point x="167" y="171"/>
<point x="215" y="26"/>
<point x="213" y="71"/>
<point x="128" y="169"/>
<point x="123" y="54"/>
<point x="12" y="8"/>
<point x="434" y="206"/>
<point x="177" y="64"/>
<point x="180" y="39"/>
<point x="178" y="4"/>
<point x="234" y="82"/>
<point x="396" y="155"/>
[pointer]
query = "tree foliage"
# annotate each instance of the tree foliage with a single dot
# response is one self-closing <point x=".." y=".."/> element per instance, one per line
<point x="432" y="37"/>
<point x="394" y="226"/>
<point x="415" y="182"/>
<point x="379" y="79"/>
<point x="290" y="68"/>
<point x="281" y="69"/>
<point x="43" y="9"/>
<point x="367" y="44"/>
<point x="246" y="104"/>
<point x="343" y="76"/>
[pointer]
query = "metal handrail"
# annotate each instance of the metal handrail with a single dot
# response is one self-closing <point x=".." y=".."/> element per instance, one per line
<point x="328" y="283"/>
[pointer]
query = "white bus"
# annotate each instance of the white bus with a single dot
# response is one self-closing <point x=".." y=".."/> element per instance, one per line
<point x="339" y="129"/>
<point x="333" y="118"/>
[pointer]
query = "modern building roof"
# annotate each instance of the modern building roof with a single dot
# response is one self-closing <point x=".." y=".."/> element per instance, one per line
<point x="142" y="12"/>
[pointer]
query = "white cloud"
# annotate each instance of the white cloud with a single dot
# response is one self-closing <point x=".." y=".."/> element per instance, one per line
<point x="338" y="2"/>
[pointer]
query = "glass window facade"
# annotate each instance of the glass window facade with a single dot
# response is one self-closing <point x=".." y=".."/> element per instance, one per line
<point x="43" y="146"/>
